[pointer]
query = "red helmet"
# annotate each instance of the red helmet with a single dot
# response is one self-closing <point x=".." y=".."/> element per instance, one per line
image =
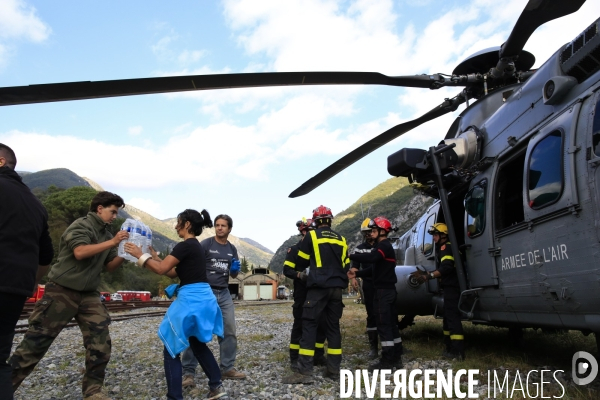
<point x="322" y="212"/>
<point x="304" y="224"/>
<point x="381" y="223"/>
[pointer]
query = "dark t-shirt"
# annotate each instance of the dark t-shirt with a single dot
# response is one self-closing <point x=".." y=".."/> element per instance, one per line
<point x="192" y="263"/>
<point x="218" y="261"/>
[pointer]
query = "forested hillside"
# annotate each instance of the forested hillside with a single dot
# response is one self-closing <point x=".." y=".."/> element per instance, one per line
<point x="393" y="199"/>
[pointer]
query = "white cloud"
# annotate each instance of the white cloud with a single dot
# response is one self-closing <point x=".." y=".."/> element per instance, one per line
<point x="147" y="205"/>
<point x="135" y="130"/>
<point x="18" y="20"/>
<point x="190" y="56"/>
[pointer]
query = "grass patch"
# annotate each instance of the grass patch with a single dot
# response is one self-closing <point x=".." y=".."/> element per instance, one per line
<point x="259" y="337"/>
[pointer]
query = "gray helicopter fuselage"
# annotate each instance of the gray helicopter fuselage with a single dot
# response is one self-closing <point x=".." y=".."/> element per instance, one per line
<point x="531" y="238"/>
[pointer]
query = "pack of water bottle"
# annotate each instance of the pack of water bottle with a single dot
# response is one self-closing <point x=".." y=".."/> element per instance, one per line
<point x="139" y="234"/>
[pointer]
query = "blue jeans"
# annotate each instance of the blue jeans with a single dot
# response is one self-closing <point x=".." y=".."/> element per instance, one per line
<point x="227" y="344"/>
<point x="201" y="353"/>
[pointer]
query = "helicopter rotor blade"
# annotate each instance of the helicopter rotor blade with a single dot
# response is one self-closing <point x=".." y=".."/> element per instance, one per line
<point x="127" y="87"/>
<point x="535" y="14"/>
<point x="447" y="106"/>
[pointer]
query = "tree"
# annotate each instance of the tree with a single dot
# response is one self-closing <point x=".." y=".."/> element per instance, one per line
<point x="68" y="205"/>
<point x="244" y="267"/>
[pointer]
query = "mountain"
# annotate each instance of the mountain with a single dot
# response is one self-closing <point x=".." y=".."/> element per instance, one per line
<point x="393" y="199"/>
<point x="257" y="245"/>
<point x="93" y="184"/>
<point x="253" y="254"/>
<point x="276" y="264"/>
<point x="163" y="233"/>
<point x="60" y="177"/>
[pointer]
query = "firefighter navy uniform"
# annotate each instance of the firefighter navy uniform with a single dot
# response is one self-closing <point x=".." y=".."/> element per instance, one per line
<point x="383" y="272"/>
<point x="326" y="254"/>
<point x="453" y="331"/>
<point x="289" y="270"/>
<point x="369" y="297"/>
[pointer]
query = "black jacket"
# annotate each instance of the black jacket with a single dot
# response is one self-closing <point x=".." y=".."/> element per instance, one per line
<point x="290" y="270"/>
<point x="24" y="239"/>
<point x="444" y="260"/>
<point x="326" y="252"/>
<point x="384" y="269"/>
<point x="364" y="247"/>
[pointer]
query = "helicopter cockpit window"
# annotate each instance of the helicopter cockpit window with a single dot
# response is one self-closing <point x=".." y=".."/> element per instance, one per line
<point x="545" y="172"/>
<point x="475" y="209"/>
<point x="427" y="237"/>
<point x="596" y="130"/>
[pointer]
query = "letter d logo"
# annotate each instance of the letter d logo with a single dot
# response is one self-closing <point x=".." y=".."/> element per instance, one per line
<point x="582" y="364"/>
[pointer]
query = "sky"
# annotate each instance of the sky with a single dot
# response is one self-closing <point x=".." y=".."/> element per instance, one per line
<point x="241" y="151"/>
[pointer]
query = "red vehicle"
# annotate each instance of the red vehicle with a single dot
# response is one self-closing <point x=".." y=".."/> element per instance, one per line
<point x="105" y="295"/>
<point x="38" y="294"/>
<point x="135" y="295"/>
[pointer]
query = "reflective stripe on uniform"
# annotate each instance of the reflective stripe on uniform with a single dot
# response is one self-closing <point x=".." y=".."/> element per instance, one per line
<point x="457" y="337"/>
<point x="319" y="345"/>
<point x="316" y="242"/>
<point x="447" y="258"/>
<point x="334" y="351"/>
<point x="305" y="352"/>
<point x="387" y="344"/>
<point x="303" y="255"/>
<point x="397" y="340"/>
<point x="372" y="329"/>
<point x="294" y="346"/>
<point x="290" y="264"/>
<point x="446" y="333"/>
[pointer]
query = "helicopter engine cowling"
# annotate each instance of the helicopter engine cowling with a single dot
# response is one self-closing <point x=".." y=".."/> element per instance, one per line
<point x="466" y="148"/>
<point x="412" y="298"/>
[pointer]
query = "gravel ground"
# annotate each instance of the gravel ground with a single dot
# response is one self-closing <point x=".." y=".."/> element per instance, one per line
<point x="135" y="370"/>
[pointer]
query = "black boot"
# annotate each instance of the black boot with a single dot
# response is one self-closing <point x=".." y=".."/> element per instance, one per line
<point x="381" y="364"/>
<point x="294" y="360"/>
<point x="373" y="344"/>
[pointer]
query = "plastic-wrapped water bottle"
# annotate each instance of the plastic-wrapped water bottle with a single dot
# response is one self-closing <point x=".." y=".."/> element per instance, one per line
<point x="127" y="226"/>
<point x="148" y="240"/>
<point x="144" y="238"/>
<point x="134" y="237"/>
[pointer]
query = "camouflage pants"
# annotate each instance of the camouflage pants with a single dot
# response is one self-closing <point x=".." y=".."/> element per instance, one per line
<point x="51" y="313"/>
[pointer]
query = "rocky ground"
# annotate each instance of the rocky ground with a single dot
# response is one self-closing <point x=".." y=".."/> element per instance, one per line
<point x="135" y="370"/>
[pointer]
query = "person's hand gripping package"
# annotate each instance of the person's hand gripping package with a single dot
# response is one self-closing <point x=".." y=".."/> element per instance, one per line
<point x="235" y="266"/>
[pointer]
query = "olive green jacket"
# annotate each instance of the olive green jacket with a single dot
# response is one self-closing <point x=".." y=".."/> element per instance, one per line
<point x="82" y="275"/>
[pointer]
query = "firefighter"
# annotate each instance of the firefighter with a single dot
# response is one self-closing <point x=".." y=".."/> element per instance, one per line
<point x="383" y="272"/>
<point x="289" y="270"/>
<point x="368" y="289"/>
<point x="446" y="272"/>
<point x="325" y="252"/>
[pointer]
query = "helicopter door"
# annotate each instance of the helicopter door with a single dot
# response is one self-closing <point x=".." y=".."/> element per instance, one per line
<point x="533" y="213"/>
<point x="482" y="267"/>
<point x="593" y="155"/>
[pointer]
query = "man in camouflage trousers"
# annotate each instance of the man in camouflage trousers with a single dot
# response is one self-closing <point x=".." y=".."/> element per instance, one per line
<point x="86" y="247"/>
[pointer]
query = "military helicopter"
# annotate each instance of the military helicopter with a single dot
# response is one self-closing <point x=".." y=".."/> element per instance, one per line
<point x="517" y="176"/>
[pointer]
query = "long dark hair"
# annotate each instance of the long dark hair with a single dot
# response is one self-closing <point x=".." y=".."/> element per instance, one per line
<point x="198" y="220"/>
